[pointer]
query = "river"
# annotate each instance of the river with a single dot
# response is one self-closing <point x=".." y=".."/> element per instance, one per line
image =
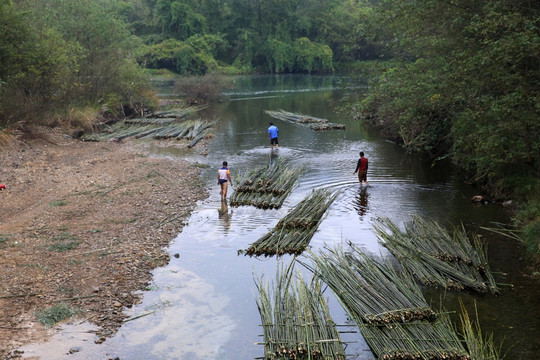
<point x="202" y="305"/>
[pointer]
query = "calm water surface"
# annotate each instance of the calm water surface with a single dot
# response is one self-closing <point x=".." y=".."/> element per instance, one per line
<point x="202" y="305"/>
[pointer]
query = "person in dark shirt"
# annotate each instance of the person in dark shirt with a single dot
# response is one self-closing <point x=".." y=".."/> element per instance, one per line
<point x="361" y="169"/>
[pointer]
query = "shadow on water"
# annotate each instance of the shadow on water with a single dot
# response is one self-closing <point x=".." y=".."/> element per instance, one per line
<point x="202" y="304"/>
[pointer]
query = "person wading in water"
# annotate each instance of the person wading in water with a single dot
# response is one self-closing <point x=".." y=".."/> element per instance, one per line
<point x="361" y="168"/>
<point x="223" y="176"/>
<point x="273" y="136"/>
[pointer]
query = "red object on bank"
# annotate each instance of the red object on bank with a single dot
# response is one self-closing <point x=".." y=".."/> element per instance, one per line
<point x="2" y="186"/>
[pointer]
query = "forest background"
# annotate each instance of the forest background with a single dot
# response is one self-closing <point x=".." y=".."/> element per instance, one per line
<point x="457" y="79"/>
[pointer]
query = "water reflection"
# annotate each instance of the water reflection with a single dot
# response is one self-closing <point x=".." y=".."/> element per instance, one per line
<point x="361" y="201"/>
<point x="225" y="216"/>
<point x="274" y="154"/>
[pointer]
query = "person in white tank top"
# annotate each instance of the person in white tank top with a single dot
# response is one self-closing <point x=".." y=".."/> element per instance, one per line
<point x="224" y="176"/>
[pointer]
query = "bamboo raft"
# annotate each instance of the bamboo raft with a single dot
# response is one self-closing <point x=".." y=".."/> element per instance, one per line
<point x="293" y="233"/>
<point x="154" y="128"/>
<point x="296" y="320"/>
<point x="177" y="112"/>
<point x="267" y="186"/>
<point x="437" y="257"/>
<point x="388" y="307"/>
<point x="317" y="124"/>
<point x="373" y="292"/>
<point x="417" y="340"/>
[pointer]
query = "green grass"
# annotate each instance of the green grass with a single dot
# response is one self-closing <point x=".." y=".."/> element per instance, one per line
<point x="75" y="262"/>
<point x="35" y="266"/>
<point x="58" y="203"/>
<point x="120" y="221"/>
<point x="530" y="237"/>
<point x="3" y="240"/>
<point x="61" y="247"/>
<point x="528" y="216"/>
<point x="66" y="290"/>
<point x="50" y="316"/>
<point x="480" y="345"/>
<point x="63" y="242"/>
<point x="153" y="261"/>
<point x="202" y="166"/>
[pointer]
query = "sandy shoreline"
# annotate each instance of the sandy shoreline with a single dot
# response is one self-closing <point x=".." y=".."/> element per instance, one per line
<point x="83" y="224"/>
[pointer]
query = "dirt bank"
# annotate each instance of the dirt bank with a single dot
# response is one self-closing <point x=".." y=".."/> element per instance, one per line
<point x="83" y="224"/>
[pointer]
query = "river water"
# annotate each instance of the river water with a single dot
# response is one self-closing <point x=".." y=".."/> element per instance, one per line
<point x="202" y="305"/>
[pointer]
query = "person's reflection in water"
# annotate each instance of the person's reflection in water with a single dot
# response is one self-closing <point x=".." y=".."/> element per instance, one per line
<point x="273" y="156"/>
<point x="225" y="216"/>
<point x="361" y="202"/>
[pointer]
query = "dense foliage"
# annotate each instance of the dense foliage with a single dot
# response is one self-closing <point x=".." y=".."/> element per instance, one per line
<point x="61" y="54"/>
<point x="466" y="84"/>
<point x="195" y="37"/>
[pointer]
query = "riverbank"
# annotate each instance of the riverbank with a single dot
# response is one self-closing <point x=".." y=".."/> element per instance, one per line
<point x="83" y="224"/>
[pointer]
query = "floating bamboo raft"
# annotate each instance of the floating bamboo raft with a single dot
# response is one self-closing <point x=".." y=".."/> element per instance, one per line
<point x="314" y="123"/>
<point x="417" y="340"/>
<point x="388" y="307"/>
<point x="267" y="186"/>
<point x="154" y="128"/>
<point x="296" y="321"/>
<point x="373" y="292"/>
<point x="293" y="233"/>
<point x="437" y="257"/>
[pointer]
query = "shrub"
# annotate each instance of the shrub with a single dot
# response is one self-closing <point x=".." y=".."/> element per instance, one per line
<point x="202" y="89"/>
<point x="54" y="314"/>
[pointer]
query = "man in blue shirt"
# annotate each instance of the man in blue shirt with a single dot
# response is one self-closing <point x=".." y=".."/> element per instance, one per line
<point x="273" y="136"/>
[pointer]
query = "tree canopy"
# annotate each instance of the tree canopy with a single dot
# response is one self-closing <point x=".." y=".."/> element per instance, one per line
<point x="466" y="82"/>
<point x="61" y="53"/>
<point x="265" y="36"/>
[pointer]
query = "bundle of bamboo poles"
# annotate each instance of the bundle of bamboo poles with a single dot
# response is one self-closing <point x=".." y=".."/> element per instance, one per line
<point x="373" y="292"/>
<point x="162" y="128"/>
<point x="293" y="233"/>
<point x="296" y="320"/>
<point x="437" y="257"/>
<point x="314" y="123"/>
<point x="259" y="200"/>
<point x="267" y="186"/>
<point x="150" y="121"/>
<point x="177" y="112"/>
<point x="419" y="340"/>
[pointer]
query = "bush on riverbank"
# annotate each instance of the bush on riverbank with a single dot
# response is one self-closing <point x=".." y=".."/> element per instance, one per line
<point x="471" y="93"/>
<point x="59" y="59"/>
<point x="201" y="89"/>
<point x="529" y="217"/>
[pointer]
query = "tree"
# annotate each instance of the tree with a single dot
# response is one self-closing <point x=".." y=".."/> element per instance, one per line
<point x="103" y="37"/>
<point x="35" y="67"/>
<point x="469" y="82"/>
